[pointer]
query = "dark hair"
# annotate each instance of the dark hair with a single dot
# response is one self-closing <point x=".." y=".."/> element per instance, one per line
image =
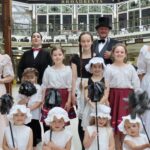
<point x="38" y="33"/>
<point x="117" y="45"/>
<point x="99" y="63"/>
<point x="56" y="48"/>
<point x="83" y="33"/>
<point x="80" y="52"/>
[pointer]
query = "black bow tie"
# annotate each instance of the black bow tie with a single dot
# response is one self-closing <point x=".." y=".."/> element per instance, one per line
<point x="101" y="41"/>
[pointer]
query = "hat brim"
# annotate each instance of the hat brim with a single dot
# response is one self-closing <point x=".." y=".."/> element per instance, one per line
<point x="102" y="115"/>
<point x="50" y="119"/>
<point x="57" y="112"/>
<point x="23" y="109"/>
<point x="95" y="60"/>
<point x="121" y="125"/>
<point x="97" y="26"/>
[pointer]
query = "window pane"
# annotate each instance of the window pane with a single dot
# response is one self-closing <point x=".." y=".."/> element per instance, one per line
<point x="82" y="22"/>
<point x="145" y="16"/>
<point x="93" y="21"/>
<point x="54" y="24"/>
<point x="67" y="22"/>
<point x="123" y="20"/>
<point x="41" y="23"/>
<point x="134" y="21"/>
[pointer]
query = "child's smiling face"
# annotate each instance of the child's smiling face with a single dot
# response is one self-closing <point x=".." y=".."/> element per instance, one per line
<point x="31" y="77"/>
<point x="96" y="69"/>
<point x="102" y="122"/>
<point x="119" y="54"/>
<point x="57" y="56"/>
<point x="132" y="129"/>
<point x="57" y="124"/>
<point x="19" y="118"/>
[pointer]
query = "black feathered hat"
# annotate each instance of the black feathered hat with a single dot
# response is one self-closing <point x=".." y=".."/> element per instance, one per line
<point x="138" y="103"/>
<point x="96" y="91"/>
<point x="103" y="22"/>
<point x="27" y="88"/>
<point x="6" y="102"/>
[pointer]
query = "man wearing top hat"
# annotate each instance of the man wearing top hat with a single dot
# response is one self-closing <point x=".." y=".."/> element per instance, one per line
<point x="104" y="44"/>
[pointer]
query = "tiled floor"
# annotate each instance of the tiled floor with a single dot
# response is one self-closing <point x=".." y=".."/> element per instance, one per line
<point x="73" y="127"/>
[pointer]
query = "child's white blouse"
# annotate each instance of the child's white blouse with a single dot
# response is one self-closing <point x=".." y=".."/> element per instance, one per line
<point x="141" y="139"/>
<point x="21" y="136"/>
<point x="60" y="138"/>
<point x="57" y="78"/>
<point x="104" y="137"/>
<point x="37" y="97"/>
<point x="122" y="77"/>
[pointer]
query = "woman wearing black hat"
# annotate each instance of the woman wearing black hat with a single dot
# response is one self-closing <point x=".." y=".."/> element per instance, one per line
<point x="104" y="44"/>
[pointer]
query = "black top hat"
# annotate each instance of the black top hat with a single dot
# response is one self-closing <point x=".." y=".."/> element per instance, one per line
<point x="103" y="22"/>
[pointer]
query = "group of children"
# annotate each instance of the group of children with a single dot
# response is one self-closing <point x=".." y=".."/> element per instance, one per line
<point x="59" y="138"/>
<point x="119" y="79"/>
<point x="20" y="136"/>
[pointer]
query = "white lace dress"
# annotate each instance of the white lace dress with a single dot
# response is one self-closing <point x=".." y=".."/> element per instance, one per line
<point x="21" y="137"/>
<point x="104" y="136"/>
<point x="81" y="102"/>
<point x="59" y="138"/>
<point x="143" y="64"/>
<point x="140" y="140"/>
<point x="86" y="115"/>
<point x="5" y="70"/>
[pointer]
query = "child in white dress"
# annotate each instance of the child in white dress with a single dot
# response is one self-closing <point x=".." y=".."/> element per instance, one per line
<point x="22" y="135"/>
<point x="134" y="139"/>
<point x="96" y="67"/>
<point x="123" y="79"/>
<point x="56" y="84"/>
<point x="57" y="137"/>
<point x="33" y="103"/>
<point x="105" y="133"/>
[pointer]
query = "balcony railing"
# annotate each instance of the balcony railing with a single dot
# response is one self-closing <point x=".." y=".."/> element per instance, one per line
<point x="24" y="35"/>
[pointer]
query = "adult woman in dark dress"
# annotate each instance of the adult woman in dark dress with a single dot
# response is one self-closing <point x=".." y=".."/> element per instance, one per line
<point x="80" y="75"/>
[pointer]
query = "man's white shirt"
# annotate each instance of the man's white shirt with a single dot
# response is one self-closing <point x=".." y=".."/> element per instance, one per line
<point x="101" y="45"/>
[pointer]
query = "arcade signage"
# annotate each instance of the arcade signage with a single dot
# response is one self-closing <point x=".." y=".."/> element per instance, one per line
<point x="67" y="1"/>
<point x="45" y="1"/>
<point x="81" y="1"/>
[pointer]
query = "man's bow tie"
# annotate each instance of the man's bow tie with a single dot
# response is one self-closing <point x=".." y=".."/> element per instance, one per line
<point x="101" y="41"/>
<point x="36" y="49"/>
